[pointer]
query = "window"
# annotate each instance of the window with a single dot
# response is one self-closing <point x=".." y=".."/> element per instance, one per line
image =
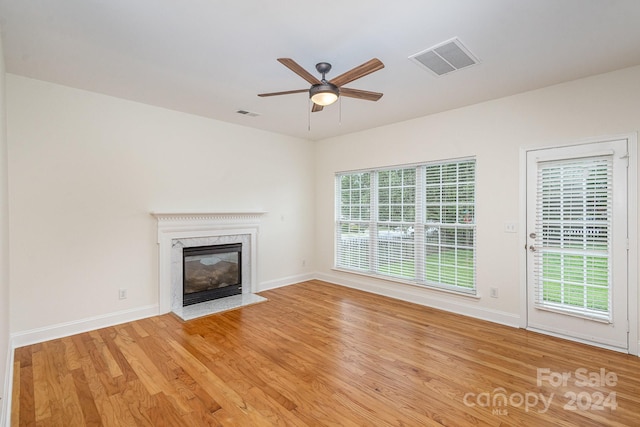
<point x="412" y="223"/>
<point x="573" y="234"/>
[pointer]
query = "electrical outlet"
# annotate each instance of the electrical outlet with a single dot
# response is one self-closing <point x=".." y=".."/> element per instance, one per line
<point x="493" y="292"/>
<point x="122" y="293"/>
<point x="304" y="262"/>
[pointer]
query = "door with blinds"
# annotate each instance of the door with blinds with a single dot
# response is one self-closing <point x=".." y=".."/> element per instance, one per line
<point x="577" y="242"/>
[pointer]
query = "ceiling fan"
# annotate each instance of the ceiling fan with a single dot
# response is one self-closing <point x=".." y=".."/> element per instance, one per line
<point x="323" y="92"/>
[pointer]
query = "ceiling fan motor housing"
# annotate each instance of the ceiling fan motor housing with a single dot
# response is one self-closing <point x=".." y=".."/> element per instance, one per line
<point x="324" y="93"/>
<point x="323" y="87"/>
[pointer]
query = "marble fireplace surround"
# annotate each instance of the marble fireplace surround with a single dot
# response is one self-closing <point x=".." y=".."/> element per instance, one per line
<point x="179" y="230"/>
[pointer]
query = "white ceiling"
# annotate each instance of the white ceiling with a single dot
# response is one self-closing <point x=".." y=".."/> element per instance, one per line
<point x="212" y="57"/>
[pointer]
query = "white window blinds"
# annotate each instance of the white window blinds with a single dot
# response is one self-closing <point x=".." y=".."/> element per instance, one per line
<point x="573" y="236"/>
<point x="413" y="223"/>
<point x="354" y="216"/>
<point x="450" y="224"/>
<point x="396" y="209"/>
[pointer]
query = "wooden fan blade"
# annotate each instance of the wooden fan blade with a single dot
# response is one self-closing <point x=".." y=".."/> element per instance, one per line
<point x="360" y="71"/>
<point x="360" y="94"/>
<point x="316" y="108"/>
<point x="296" y="68"/>
<point x="286" y="92"/>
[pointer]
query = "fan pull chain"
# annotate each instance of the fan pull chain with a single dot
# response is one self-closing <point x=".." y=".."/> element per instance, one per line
<point x="340" y="112"/>
<point x="309" y="116"/>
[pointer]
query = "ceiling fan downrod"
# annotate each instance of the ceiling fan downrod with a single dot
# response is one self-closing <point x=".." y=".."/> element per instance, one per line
<point x="323" y="68"/>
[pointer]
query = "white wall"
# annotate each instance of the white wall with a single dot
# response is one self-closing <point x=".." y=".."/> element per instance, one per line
<point x="86" y="169"/>
<point x="494" y="132"/>
<point x="4" y="251"/>
<point x="85" y="172"/>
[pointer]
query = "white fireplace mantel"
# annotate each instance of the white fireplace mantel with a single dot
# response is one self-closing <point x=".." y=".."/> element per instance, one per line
<point x="187" y="219"/>
<point x="173" y="226"/>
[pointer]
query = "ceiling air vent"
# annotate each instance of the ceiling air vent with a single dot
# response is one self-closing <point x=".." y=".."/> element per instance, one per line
<point x="247" y="113"/>
<point x="445" y="58"/>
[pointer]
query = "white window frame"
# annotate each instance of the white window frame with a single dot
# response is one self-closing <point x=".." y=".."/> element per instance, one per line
<point x="362" y="238"/>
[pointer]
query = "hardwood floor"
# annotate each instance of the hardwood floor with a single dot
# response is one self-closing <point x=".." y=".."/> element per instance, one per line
<point x="317" y="354"/>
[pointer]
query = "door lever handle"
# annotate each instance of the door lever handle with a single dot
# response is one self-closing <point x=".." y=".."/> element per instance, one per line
<point x="532" y="248"/>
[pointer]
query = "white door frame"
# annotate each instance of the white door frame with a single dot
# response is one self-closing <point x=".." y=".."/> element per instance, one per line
<point x="632" y="211"/>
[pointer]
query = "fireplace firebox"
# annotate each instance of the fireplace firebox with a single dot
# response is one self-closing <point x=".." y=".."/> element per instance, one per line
<point x="211" y="272"/>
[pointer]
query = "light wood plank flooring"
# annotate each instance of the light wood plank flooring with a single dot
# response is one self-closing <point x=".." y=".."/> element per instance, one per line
<point x="317" y="354"/>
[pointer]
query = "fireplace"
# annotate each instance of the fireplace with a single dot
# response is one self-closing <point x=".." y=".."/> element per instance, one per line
<point x="211" y="272"/>
<point x="180" y="231"/>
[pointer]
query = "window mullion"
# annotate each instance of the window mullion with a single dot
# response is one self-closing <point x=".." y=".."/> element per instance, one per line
<point x="419" y="227"/>
<point x="373" y="223"/>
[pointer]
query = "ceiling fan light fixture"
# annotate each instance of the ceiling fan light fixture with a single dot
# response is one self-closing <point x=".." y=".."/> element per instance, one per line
<point x="324" y="93"/>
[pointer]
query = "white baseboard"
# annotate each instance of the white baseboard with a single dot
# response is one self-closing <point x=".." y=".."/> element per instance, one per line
<point x="406" y="293"/>
<point x="427" y="298"/>
<point x="60" y="330"/>
<point x="286" y="281"/>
